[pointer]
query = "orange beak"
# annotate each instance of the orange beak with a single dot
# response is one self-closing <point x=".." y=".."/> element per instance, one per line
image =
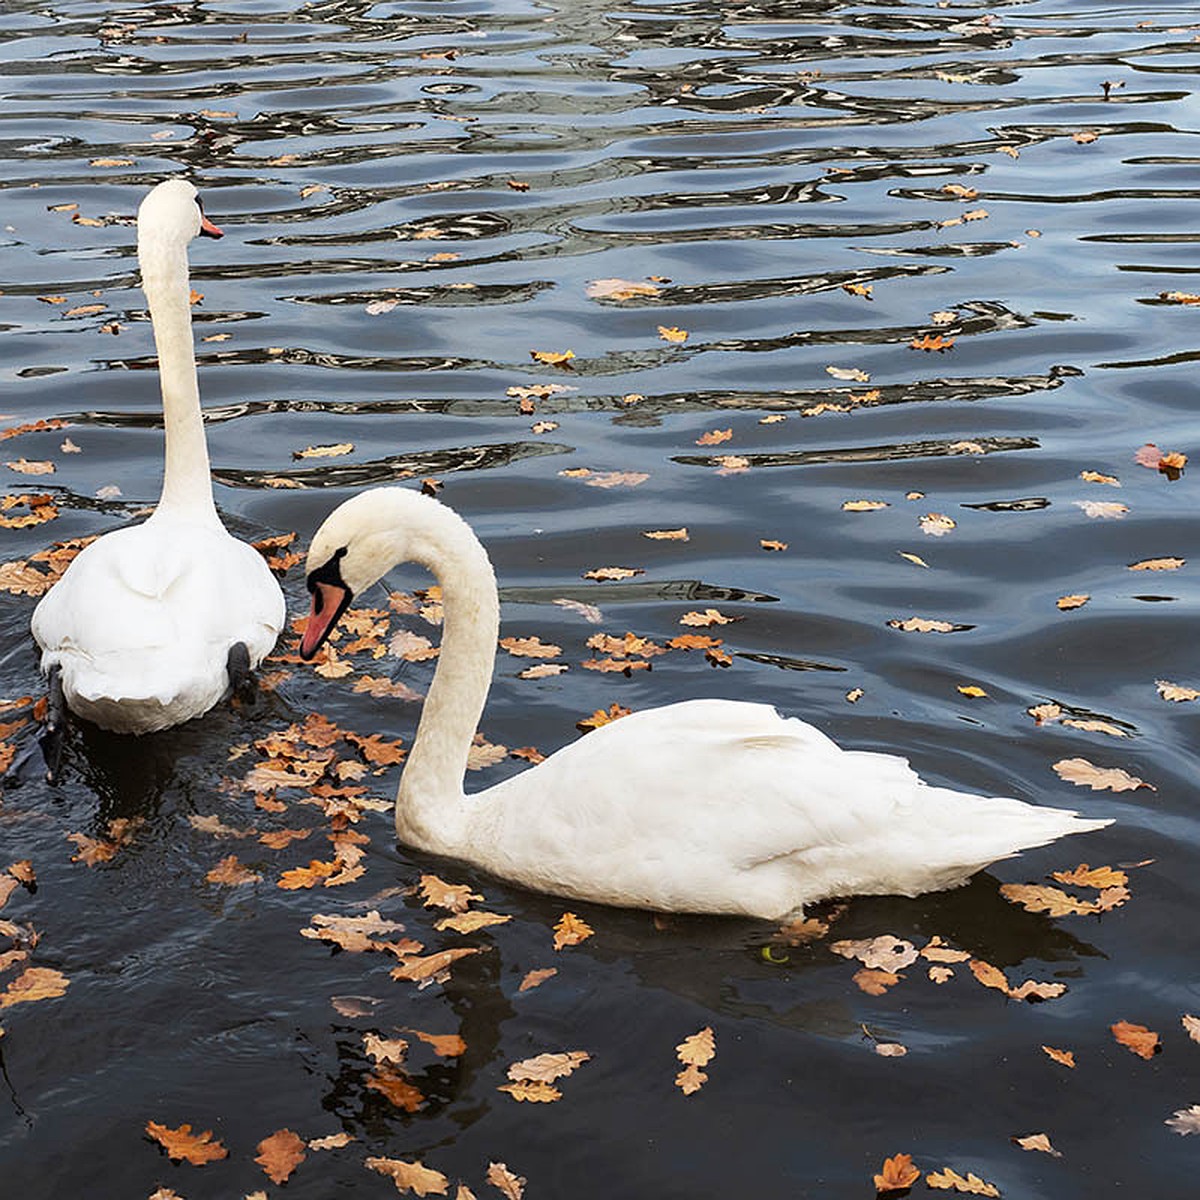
<point x="329" y="601"/>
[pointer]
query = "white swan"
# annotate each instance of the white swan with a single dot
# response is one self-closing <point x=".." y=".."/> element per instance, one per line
<point x="150" y="625"/>
<point x="713" y="806"/>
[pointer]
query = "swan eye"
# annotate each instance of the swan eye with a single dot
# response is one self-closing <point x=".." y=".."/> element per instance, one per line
<point x="330" y="571"/>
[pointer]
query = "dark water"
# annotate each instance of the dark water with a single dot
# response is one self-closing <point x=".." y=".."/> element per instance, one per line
<point x="756" y="157"/>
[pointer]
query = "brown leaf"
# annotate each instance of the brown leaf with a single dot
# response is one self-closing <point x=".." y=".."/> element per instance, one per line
<point x="385" y="1050"/>
<point x="469" y="922"/>
<point x="666" y="535"/>
<point x="714" y="437"/>
<point x="1037" y="1141"/>
<point x="553" y="358"/>
<point x="23" y="872"/>
<point x="280" y="1154"/>
<point x="542" y="671"/>
<point x="1038" y="898"/>
<point x="334" y="451"/>
<point x="938" y="951"/>
<point x="232" y="872"/>
<point x="1084" y="137"/>
<point x="864" y="505"/>
<point x="1141" y="1041"/>
<point x="940" y="975"/>
<point x="511" y="1186"/>
<point x="430" y="966"/>
<point x="875" y="983"/>
<point x="530" y="647"/>
<point x="897" y="1174"/>
<point x="1093" y="877"/>
<point x="34" y="983"/>
<point x="886" y="952"/>
<point x="931" y="341"/>
<point x="306" y="877"/>
<point x="536" y="978"/>
<point x="691" y="1079"/>
<point x="699" y="1049"/>
<point x="620" y="289"/>
<point x="411" y="1176"/>
<point x="377" y="751"/>
<point x="989" y="976"/>
<point x="1085" y="774"/>
<point x="1192" y="1025"/>
<point x="1032" y="990"/>
<point x="332" y="1142"/>
<point x="606" y="574"/>
<point x="182" y="1145"/>
<point x="448" y="1045"/>
<point x="710" y="616"/>
<point x="532" y="1090"/>
<point x="437" y="893"/>
<point x="1077" y="600"/>
<point x="922" y="625"/>
<point x="1065" y="1057"/>
<point x="1175" y="692"/>
<point x="25" y="467"/>
<point x="601" y="716"/>
<point x="396" y="1087"/>
<point x="1158" y="564"/>
<point x="948" y="1179"/>
<point x="546" y="1068"/>
<point x="771" y="544"/>
<point x="570" y="931"/>
<point x="1097" y="477"/>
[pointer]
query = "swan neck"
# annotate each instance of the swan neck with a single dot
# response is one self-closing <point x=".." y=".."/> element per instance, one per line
<point x="187" y="485"/>
<point x="431" y="809"/>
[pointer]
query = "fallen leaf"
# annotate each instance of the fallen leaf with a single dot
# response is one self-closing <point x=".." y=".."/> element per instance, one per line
<point x="601" y="716"/>
<point x="972" y="690"/>
<point x="1146" y="564"/>
<point x="25" y="467"/>
<point x="915" y="559"/>
<point x="570" y="931"/>
<point x="332" y="1142"/>
<point x="1104" y="510"/>
<point x="1176" y="692"/>
<point x="280" y="1154"/>
<point x="897" y="1174"/>
<point x="1137" y="1038"/>
<point x="849" y="373"/>
<point x="454" y="897"/>
<point x="1093" y="877"/>
<point x="396" y="1086"/>
<point x="922" y="625"/>
<point x="530" y="647"/>
<point x="110" y="162"/>
<point x="415" y="969"/>
<point x="771" y="544"/>
<point x="731" y="464"/>
<point x="232" y="872"/>
<point x="546" y="1068"/>
<point x="886" y="952"/>
<point x="669" y="333"/>
<point x="448" y="1045"/>
<point x="553" y="358"/>
<point x="306" y="877"/>
<point x="34" y="983"/>
<point x="1033" y="989"/>
<point x="1038" y="898"/>
<point x="873" y="982"/>
<point x="1185" y="1120"/>
<point x="989" y="976"/>
<point x="531" y="1090"/>
<point x="410" y="1176"/>
<point x="1097" y="477"/>
<point x="1065" y="1057"/>
<point x="934" y="341"/>
<point x="863" y="505"/>
<point x="620" y="289"/>
<point x="333" y="451"/>
<point x="1074" y="601"/>
<point x="948" y="1179"/>
<point x="937" y="524"/>
<point x="941" y="974"/>
<point x="1085" y="774"/>
<point x="1084" y="137"/>
<point x="511" y="1186"/>
<point x="890" y="1049"/>
<point x="385" y="1050"/>
<point x="182" y="1145"/>
<point x="536" y="978"/>
<point x="858" y="289"/>
<point x="710" y="616"/>
<point x="608" y="574"/>
<point x="714" y="437"/>
<point x="469" y="922"/>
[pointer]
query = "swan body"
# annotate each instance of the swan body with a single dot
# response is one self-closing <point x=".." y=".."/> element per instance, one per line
<point x="707" y="806"/>
<point x="140" y="627"/>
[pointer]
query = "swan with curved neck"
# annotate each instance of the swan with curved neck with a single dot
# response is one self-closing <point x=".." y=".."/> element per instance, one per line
<point x="152" y="624"/>
<point x="707" y="806"/>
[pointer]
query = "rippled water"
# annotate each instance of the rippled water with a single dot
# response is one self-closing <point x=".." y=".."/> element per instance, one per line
<point x="752" y="160"/>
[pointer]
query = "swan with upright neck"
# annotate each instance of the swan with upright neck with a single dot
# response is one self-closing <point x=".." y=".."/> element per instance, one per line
<point x="152" y="624"/>
<point x="706" y="806"/>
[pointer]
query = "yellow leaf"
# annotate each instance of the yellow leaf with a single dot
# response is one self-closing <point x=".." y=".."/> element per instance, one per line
<point x="34" y="983"/>
<point x="455" y="897"/>
<point x="1096" y="477"/>
<point x="530" y="647"/>
<point x="949" y="1180"/>
<point x="714" y="437"/>
<point x="669" y="333"/>
<point x="553" y="358"/>
<point x="691" y="1079"/>
<point x="1093" y="877"/>
<point x="915" y="559"/>
<point x="546" y="1068"/>
<point x="976" y="693"/>
<point x="510" y="1185"/>
<point x="863" y="505"/>
<point x="535" y="1091"/>
<point x="1074" y="601"/>
<point x="897" y="1174"/>
<point x="771" y="544"/>
<point x="469" y="922"/>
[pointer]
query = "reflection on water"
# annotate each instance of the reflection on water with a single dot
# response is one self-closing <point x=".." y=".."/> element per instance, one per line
<point x="416" y="197"/>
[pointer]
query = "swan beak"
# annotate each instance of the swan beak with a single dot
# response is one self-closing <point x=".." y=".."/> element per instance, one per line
<point x="329" y="601"/>
<point x="208" y="229"/>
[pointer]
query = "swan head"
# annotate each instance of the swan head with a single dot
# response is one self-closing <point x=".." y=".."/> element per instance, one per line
<point x="172" y="211"/>
<point x="356" y="545"/>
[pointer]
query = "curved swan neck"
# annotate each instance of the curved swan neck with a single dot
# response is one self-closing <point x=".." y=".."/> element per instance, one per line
<point x="431" y="809"/>
<point x="187" y="485"/>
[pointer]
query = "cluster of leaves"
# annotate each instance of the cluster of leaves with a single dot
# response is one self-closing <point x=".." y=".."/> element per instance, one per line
<point x="21" y="983"/>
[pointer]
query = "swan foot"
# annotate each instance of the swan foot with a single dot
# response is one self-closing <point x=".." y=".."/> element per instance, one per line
<point x="56" y="725"/>
<point x="242" y="683"/>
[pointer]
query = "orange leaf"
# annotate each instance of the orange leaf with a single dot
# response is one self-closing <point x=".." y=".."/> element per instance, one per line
<point x="697" y="1050"/>
<point x="570" y="931"/>
<point x="714" y="437"/>
<point x="184" y="1146"/>
<point x="511" y="1186"/>
<point x="455" y="897"/>
<point x="931" y="341"/>
<point x="989" y="976"/>
<point x="232" y="871"/>
<point x="280" y="1154"/>
<point x="536" y="978"/>
<point x="310" y="876"/>
<point x="411" y="1176"/>
<point x="396" y="1087"/>
<point x="875" y="982"/>
<point x="897" y="1174"/>
<point x="1141" y="1041"/>
<point x="448" y="1045"/>
<point x="1065" y="1057"/>
<point x="34" y="983"/>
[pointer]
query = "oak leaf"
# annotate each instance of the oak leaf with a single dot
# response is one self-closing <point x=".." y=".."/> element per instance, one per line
<point x="1085" y="774"/>
<point x="714" y="437"/>
<point x="666" y="535"/>
<point x="772" y="544"/>
<point x="897" y="1174"/>
<point x="1137" y="1038"/>
<point x="886" y="952"/>
<point x="1175" y="692"/>
<point x="670" y="333"/>
<point x="1032" y="990"/>
<point x="874" y="982"/>
<point x="710" y="616"/>
<point x="307" y="877"/>
<point x="385" y="1050"/>
<point x="469" y="922"/>
<point x="607" y="574"/>
<point x="1158" y="564"/>
<point x="232" y="872"/>
<point x="863" y="505"/>
<point x="1037" y="1141"/>
<point x="854" y="374"/>
<point x="376" y="751"/>
<point x="184" y="1146"/>
<point x="948" y="1179"/>
<point x="1185" y="1120"/>
<point x="1076" y="600"/>
<point x="699" y="1049"/>
<point x="1093" y="877"/>
<point x="553" y="358"/>
<point x="280" y="1154"/>
<point x="933" y="341"/>
<point x="455" y="897"/>
<point x="1038" y="898"/>
<point x="411" y="1176"/>
<point x="511" y="1186"/>
<point x="989" y="976"/>
<point x="334" y="451"/>
<point x="922" y="625"/>
<point x="530" y="647"/>
<point x="34" y="983"/>
<point x="536" y="978"/>
<point x="332" y="1142"/>
<point x="395" y="1086"/>
<point x="1192" y="1025"/>
<point x="1065" y="1057"/>
<point x="570" y="931"/>
<point x="535" y="1091"/>
<point x="1104" y="510"/>
<point x="941" y="974"/>
<point x="431" y="966"/>
<point x="691" y="1079"/>
<point x="448" y="1045"/>
<point x="938" y="951"/>
<point x="937" y="524"/>
<point x="601" y="716"/>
